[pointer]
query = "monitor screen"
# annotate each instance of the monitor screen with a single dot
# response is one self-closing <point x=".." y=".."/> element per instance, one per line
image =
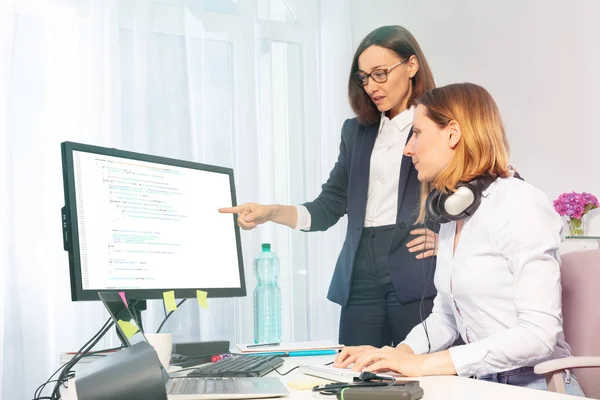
<point x="145" y="224"/>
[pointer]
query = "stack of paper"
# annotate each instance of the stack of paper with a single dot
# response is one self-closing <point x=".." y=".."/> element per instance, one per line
<point x="298" y="348"/>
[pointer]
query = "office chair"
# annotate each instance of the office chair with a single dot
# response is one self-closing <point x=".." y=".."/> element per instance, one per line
<point x="580" y="280"/>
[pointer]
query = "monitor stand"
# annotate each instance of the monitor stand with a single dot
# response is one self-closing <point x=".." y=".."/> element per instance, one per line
<point x="136" y="309"/>
<point x="189" y="353"/>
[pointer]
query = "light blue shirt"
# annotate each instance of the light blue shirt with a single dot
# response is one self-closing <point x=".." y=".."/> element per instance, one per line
<point x="501" y="289"/>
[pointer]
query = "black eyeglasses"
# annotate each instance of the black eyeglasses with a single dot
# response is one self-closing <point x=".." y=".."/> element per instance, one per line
<point x="378" y="75"/>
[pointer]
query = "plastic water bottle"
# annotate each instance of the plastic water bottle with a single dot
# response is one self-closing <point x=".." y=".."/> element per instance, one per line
<point x="267" y="297"/>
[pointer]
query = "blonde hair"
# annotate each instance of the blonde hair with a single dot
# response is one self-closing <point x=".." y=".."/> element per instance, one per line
<point x="483" y="147"/>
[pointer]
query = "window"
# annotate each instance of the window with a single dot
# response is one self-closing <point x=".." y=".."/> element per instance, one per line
<point x="221" y="6"/>
<point x="230" y="89"/>
<point x="277" y="10"/>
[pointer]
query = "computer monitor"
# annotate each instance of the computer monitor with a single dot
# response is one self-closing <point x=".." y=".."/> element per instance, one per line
<point x="145" y="224"/>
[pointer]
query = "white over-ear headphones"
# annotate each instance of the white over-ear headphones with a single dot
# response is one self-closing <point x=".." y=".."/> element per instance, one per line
<point x="441" y="208"/>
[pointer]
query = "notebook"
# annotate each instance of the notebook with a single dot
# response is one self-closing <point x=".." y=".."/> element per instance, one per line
<point x="188" y="388"/>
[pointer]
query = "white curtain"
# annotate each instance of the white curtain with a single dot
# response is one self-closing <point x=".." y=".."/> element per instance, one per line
<point x="257" y="85"/>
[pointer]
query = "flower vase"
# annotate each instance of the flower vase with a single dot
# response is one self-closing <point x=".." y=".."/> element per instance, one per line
<point x="576" y="226"/>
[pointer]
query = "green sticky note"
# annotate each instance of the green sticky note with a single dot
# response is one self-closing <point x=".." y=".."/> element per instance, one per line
<point x="170" y="304"/>
<point x="201" y="296"/>
<point x="128" y="328"/>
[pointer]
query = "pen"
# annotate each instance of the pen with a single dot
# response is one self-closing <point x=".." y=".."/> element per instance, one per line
<point x="262" y="345"/>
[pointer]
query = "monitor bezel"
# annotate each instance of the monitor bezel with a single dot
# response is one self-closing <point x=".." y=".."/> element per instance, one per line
<point x="71" y="230"/>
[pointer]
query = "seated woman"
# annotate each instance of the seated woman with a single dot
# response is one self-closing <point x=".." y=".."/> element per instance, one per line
<point x="498" y="274"/>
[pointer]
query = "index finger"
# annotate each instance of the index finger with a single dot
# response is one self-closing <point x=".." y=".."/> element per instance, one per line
<point x="350" y="359"/>
<point x="363" y="361"/>
<point x="341" y="356"/>
<point x="231" y="210"/>
<point x="420" y="231"/>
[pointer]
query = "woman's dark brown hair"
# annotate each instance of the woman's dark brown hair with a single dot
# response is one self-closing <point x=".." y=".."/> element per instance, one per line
<point x="401" y="42"/>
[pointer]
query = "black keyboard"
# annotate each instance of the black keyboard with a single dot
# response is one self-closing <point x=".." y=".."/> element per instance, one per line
<point x="239" y="366"/>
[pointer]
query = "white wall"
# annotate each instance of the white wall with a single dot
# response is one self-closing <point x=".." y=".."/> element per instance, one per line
<point x="540" y="59"/>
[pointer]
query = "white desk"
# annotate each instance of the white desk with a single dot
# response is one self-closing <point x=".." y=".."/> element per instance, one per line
<point x="579" y="243"/>
<point x="435" y="387"/>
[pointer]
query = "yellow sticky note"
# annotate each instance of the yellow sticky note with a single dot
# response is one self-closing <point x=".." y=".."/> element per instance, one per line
<point x="170" y="304"/>
<point x="201" y="296"/>
<point x="128" y="328"/>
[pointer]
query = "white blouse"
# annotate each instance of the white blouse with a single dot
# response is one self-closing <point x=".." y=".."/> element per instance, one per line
<point x="384" y="172"/>
<point x="500" y="290"/>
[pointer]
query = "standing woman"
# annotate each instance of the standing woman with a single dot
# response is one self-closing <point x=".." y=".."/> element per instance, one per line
<point x="378" y="279"/>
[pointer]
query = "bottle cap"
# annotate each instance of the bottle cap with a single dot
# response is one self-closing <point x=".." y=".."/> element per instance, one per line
<point x="266" y="247"/>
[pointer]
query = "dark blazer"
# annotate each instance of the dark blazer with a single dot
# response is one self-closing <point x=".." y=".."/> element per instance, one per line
<point x="346" y="192"/>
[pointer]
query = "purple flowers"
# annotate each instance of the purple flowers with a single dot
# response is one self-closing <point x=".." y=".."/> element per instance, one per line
<point x="575" y="205"/>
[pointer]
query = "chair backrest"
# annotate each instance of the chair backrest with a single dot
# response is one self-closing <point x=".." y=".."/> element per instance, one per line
<point x="580" y="279"/>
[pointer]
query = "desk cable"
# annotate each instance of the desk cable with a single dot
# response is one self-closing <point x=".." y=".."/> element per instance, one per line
<point x="81" y="353"/>
<point x="365" y="379"/>
<point x="167" y="316"/>
<point x="427" y="281"/>
<point x="66" y="372"/>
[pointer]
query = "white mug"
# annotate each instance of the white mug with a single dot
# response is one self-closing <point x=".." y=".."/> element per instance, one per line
<point x="163" y="344"/>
